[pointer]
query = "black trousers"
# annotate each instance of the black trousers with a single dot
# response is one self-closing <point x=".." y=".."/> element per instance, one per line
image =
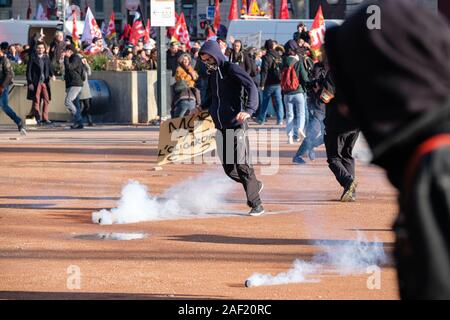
<point x="234" y="152"/>
<point x="339" y="147"/>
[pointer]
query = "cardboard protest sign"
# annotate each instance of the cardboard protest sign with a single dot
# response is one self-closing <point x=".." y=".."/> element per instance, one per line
<point x="185" y="138"/>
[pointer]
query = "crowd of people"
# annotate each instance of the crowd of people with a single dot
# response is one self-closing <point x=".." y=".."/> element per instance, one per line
<point x="298" y="106"/>
<point x="69" y="60"/>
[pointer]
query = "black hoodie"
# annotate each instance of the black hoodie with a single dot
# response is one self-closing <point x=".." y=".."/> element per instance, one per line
<point x="396" y="83"/>
<point x="395" y="80"/>
<point x="231" y="90"/>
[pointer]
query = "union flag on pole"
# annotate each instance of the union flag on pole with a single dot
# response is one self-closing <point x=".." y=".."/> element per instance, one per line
<point x="91" y="28"/>
<point x="75" y="36"/>
<point x="181" y="33"/>
<point x="217" y="16"/>
<point x="111" y="33"/>
<point x="317" y="32"/>
<point x="137" y="32"/>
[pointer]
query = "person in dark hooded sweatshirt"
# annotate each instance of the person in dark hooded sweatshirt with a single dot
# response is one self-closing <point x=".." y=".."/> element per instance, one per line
<point x="399" y="95"/>
<point x="232" y="97"/>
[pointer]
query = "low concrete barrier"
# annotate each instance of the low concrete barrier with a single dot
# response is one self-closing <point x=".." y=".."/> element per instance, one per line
<point x="133" y="98"/>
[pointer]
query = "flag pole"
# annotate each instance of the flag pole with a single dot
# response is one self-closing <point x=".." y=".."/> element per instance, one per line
<point x="64" y="15"/>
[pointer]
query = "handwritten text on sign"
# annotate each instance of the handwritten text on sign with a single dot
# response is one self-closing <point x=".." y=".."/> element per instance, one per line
<point x="185" y="138"/>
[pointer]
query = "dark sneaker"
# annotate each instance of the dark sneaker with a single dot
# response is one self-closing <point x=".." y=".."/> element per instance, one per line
<point x="256" y="211"/>
<point x="22" y="129"/>
<point x="348" y="192"/>
<point x="298" y="160"/>
<point x="77" y="126"/>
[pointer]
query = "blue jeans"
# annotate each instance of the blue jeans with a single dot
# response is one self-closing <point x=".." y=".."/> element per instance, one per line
<point x="269" y="91"/>
<point x="295" y="113"/>
<point x="183" y="106"/>
<point x="72" y="103"/>
<point x="4" y="104"/>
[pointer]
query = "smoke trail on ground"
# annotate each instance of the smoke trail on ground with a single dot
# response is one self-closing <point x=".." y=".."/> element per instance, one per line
<point x="195" y="196"/>
<point x="348" y="257"/>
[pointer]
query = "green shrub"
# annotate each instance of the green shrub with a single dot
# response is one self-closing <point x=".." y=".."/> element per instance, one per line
<point x="98" y="62"/>
<point x="19" y="69"/>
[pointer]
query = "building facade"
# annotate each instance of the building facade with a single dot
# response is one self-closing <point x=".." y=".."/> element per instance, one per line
<point x="198" y="12"/>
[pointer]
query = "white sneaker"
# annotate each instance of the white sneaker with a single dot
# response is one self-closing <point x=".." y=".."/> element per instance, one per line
<point x="290" y="140"/>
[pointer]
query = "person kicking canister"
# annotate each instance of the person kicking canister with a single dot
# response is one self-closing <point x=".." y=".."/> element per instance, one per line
<point x="232" y="97"/>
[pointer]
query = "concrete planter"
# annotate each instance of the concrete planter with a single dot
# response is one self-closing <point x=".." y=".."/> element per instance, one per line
<point x="133" y="96"/>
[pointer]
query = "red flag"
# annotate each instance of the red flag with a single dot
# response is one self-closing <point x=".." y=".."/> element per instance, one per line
<point x="137" y="32"/>
<point x="217" y="15"/>
<point x="147" y="32"/>
<point x="181" y="32"/>
<point x="75" y="36"/>
<point x="111" y="33"/>
<point x="233" y="15"/>
<point x="211" y="35"/>
<point x="284" y="11"/>
<point x="244" y="7"/>
<point x="126" y="32"/>
<point x="171" y="30"/>
<point x="317" y="32"/>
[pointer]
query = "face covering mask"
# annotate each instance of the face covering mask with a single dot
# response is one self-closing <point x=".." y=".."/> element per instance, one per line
<point x="211" y="67"/>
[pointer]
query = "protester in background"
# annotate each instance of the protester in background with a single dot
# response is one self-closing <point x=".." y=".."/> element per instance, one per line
<point x="6" y="79"/>
<point x="340" y="137"/>
<point x="173" y="53"/>
<point x="74" y="77"/>
<point x="115" y="50"/>
<point x="270" y="83"/>
<point x="236" y="55"/>
<point x="153" y="62"/>
<point x="315" y="128"/>
<point x="250" y="63"/>
<point x="185" y="71"/>
<point x="183" y="48"/>
<point x="85" y="94"/>
<point x="39" y="73"/>
<point x="185" y="96"/>
<point x="57" y="47"/>
<point x="302" y="33"/>
<point x="25" y="54"/>
<point x="397" y="89"/>
<point x="13" y="55"/>
<point x="294" y="98"/>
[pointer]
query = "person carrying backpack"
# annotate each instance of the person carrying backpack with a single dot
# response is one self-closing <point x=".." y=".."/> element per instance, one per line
<point x="293" y="80"/>
<point x="271" y="83"/>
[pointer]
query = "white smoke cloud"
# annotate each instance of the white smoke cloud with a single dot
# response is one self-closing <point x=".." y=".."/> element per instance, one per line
<point x="352" y="257"/>
<point x="194" y="196"/>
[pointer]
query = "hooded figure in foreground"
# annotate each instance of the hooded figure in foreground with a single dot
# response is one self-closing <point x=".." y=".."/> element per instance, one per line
<point x="232" y="97"/>
<point x="395" y="81"/>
